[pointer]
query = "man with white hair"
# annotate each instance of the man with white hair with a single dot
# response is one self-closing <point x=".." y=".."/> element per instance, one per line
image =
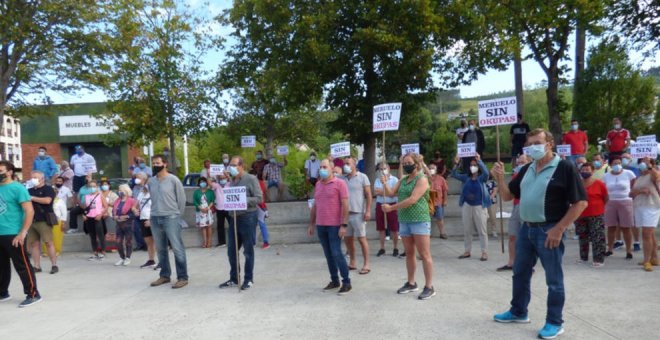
<point x="42" y="197"/>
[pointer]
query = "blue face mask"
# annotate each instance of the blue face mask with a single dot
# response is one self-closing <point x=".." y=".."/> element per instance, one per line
<point x="617" y="168"/>
<point x="92" y="190"/>
<point x="142" y="165"/>
<point x="324" y="173"/>
<point x="625" y="161"/>
<point x="223" y="181"/>
<point x="202" y="185"/>
<point x="233" y="171"/>
<point x="537" y="151"/>
<point x="105" y="187"/>
<point x="643" y="167"/>
<point x="597" y="164"/>
<point x="80" y="152"/>
<point x="259" y="157"/>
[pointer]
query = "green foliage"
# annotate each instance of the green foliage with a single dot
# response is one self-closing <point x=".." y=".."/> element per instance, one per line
<point x="444" y="140"/>
<point x="639" y="21"/>
<point x="610" y="87"/>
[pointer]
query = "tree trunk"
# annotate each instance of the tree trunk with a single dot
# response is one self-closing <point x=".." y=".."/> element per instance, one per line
<point x="580" y="46"/>
<point x="554" y="113"/>
<point x="517" y="70"/>
<point x="172" y="160"/>
<point x="369" y="157"/>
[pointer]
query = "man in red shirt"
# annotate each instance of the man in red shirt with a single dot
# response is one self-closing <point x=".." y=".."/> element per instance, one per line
<point x="578" y="141"/>
<point x="618" y="139"/>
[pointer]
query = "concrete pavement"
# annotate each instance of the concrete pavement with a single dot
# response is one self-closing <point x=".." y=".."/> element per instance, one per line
<point x="89" y="300"/>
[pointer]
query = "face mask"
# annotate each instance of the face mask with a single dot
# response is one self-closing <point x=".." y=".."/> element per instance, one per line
<point x="585" y="175"/>
<point x="142" y="165"/>
<point x="92" y="190"/>
<point x="643" y="167"/>
<point x="313" y="158"/>
<point x="617" y="126"/>
<point x="324" y="173"/>
<point x="157" y="169"/>
<point x="574" y="127"/>
<point x="223" y="181"/>
<point x="233" y="171"/>
<point x="35" y="181"/>
<point x="225" y="160"/>
<point x="625" y="162"/>
<point x="202" y="185"/>
<point x="166" y="153"/>
<point x="617" y="168"/>
<point x="259" y="157"/>
<point x="80" y="152"/>
<point x="598" y="164"/>
<point x="537" y="151"/>
<point x="471" y="127"/>
<point x="432" y="171"/>
<point x="121" y="194"/>
<point x="272" y="160"/>
<point x="386" y="172"/>
<point x="409" y="168"/>
<point x="138" y="181"/>
<point x="58" y="185"/>
<point x="474" y="169"/>
<point x="3" y="177"/>
<point x="105" y="187"/>
<point x="42" y="153"/>
<point x="347" y="169"/>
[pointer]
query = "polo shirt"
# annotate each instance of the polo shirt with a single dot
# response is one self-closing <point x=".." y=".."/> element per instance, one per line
<point x="356" y="186"/>
<point x="617" y="139"/>
<point x="391" y="182"/>
<point x="327" y="199"/>
<point x="547" y="195"/>
<point x="11" y="211"/>
<point x="40" y="210"/>
<point x="577" y="140"/>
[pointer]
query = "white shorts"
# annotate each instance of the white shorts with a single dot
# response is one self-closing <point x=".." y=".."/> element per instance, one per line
<point x="647" y="217"/>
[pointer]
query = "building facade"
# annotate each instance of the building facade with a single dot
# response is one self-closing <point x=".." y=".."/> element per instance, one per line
<point x="10" y="141"/>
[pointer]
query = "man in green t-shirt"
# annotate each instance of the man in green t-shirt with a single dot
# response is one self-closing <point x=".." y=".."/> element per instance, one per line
<point x="16" y="215"/>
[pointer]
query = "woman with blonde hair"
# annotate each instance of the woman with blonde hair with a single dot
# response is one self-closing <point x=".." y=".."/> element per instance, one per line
<point x="646" y="202"/>
<point x="123" y="213"/>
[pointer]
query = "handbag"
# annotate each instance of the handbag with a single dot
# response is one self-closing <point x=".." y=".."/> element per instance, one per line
<point x="51" y="218"/>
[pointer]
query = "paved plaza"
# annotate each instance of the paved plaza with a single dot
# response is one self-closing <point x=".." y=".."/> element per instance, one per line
<point x="90" y="300"/>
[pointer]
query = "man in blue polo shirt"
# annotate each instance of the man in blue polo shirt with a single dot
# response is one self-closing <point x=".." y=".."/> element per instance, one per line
<point x="552" y="197"/>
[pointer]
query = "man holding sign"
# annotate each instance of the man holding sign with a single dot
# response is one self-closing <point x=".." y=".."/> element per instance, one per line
<point x="246" y="224"/>
<point x="83" y="165"/>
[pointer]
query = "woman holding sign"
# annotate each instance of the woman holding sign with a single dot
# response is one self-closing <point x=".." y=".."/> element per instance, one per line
<point x="474" y="202"/>
<point x="414" y="221"/>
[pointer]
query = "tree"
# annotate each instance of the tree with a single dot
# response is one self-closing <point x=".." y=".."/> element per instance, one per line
<point x="159" y="88"/>
<point x="610" y="88"/>
<point x="54" y="45"/>
<point x="639" y="21"/>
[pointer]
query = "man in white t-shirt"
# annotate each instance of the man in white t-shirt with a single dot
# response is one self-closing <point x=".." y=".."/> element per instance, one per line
<point x="64" y="193"/>
<point x="461" y="130"/>
<point x="312" y="166"/>
<point x="82" y="164"/>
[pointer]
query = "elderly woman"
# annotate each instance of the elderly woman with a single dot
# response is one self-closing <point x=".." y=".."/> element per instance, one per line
<point x="590" y="227"/>
<point x="94" y="207"/>
<point x="646" y="202"/>
<point x="412" y="192"/>
<point x="109" y="197"/>
<point x="619" y="207"/>
<point x="474" y="202"/>
<point x="123" y="213"/>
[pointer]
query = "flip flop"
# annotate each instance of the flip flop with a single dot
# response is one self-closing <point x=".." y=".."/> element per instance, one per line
<point x="364" y="271"/>
<point x="352" y="268"/>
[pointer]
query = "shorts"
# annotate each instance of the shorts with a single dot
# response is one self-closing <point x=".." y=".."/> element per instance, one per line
<point x="392" y="219"/>
<point x="356" y="225"/>
<point x="313" y="181"/>
<point x="146" y="231"/>
<point x="439" y="213"/>
<point x="39" y="231"/>
<point x="273" y="183"/>
<point x="514" y="221"/>
<point x="78" y="182"/>
<point x="414" y="228"/>
<point x="647" y="217"/>
<point x="619" y="213"/>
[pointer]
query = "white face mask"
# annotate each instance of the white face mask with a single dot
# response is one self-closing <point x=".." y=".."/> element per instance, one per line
<point x="537" y="151"/>
<point x="138" y="181"/>
<point x="42" y="153"/>
<point x="617" y="126"/>
<point x="474" y="169"/>
<point x="432" y="171"/>
<point x="386" y="172"/>
<point x="35" y="181"/>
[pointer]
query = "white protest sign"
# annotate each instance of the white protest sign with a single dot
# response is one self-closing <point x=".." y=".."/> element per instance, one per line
<point x="641" y="150"/>
<point x="564" y="150"/>
<point x="501" y="111"/>
<point x="342" y="149"/>
<point x="89" y="168"/>
<point x="282" y="150"/>
<point x="248" y="141"/>
<point x="466" y="150"/>
<point x="310" y="203"/>
<point x="386" y="117"/>
<point x="235" y="198"/>
<point x="409" y="148"/>
<point x="646" y="139"/>
<point x="217" y="169"/>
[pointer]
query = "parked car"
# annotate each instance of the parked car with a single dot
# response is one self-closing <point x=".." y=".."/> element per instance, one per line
<point x="190" y="180"/>
<point x="116" y="182"/>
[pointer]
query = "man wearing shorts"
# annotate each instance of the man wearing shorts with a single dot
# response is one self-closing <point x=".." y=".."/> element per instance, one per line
<point x="359" y="193"/>
<point x="514" y="220"/>
<point x="439" y="185"/>
<point x="42" y="197"/>
<point x="392" y="219"/>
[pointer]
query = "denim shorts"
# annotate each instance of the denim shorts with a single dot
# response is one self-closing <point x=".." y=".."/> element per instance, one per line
<point x="439" y="212"/>
<point x="414" y="228"/>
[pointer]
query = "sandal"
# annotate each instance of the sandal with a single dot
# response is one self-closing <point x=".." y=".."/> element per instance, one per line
<point x="352" y="268"/>
<point x="484" y="257"/>
<point x="504" y="268"/>
<point x="364" y="271"/>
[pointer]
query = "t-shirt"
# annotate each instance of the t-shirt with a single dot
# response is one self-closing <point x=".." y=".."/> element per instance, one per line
<point x="81" y="164"/>
<point x="618" y="186"/>
<point x="84" y="191"/>
<point x="577" y="140"/>
<point x="491" y="186"/>
<point x="327" y="199"/>
<point x="596" y="194"/>
<point x="64" y="193"/>
<point x="519" y="133"/>
<point x="617" y="139"/>
<point x="547" y="195"/>
<point x="391" y="182"/>
<point x="439" y="184"/>
<point x="460" y="131"/>
<point x="11" y="212"/>
<point x="312" y="168"/>
<point x="40" y="210"/>
<point x="356" y="186"/>
<point x="144" y="205"/>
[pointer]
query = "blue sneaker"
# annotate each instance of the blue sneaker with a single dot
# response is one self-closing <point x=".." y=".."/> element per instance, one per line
<point x="636" y="247"/>
<point x="550" y="331"/>
<point x="507" y="317"/>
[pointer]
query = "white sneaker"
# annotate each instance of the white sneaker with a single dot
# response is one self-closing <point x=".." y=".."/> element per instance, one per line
<point x="127" y="261"/>
<point x="72" y="231"/>
<point x="120" y="262"/>
<point x="387" y="238"/>
<point x="100" y="256"/>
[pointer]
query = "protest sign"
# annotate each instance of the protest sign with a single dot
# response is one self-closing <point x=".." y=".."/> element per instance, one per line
<point x="466" y="150"/>
<point x="409" y="148"/>
<point x="564" y="150"/>
<point x="248" y="141"/>
<point x="501" y="111"/>
<point x="342" y="149"/>
<point x="235" y="198"/>
<point x="282" y="150"/>
<point x="386" y="117"/>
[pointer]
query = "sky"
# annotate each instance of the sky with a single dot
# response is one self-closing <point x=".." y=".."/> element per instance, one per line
<point x="491" y="82"/>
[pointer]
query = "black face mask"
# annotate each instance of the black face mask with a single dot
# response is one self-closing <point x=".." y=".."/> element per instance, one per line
<point x="3" y="177"/>
<point x="157" y="169"/>
<point x="58" y="185"/>
<point x="409" y="168"/>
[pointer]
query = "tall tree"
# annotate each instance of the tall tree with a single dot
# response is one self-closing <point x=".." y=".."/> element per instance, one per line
<point x="54" y="45"/>
<point x="611" y="87"/>
<point x="639" y="21"/>
<point x="160" y="88"/>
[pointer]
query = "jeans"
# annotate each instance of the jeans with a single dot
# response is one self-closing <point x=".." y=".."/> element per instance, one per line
<point x="246" y="225"/>
<point x="261" y="220"/>
<point x="331" y="243"/>
<point x="223" y="215"/>
<point x="164" y="229"/>
<point x="137" y="236"/>
<point x="125" y="237"/>
<point x="530" y="246"/>
<point x="96" y="234"/>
